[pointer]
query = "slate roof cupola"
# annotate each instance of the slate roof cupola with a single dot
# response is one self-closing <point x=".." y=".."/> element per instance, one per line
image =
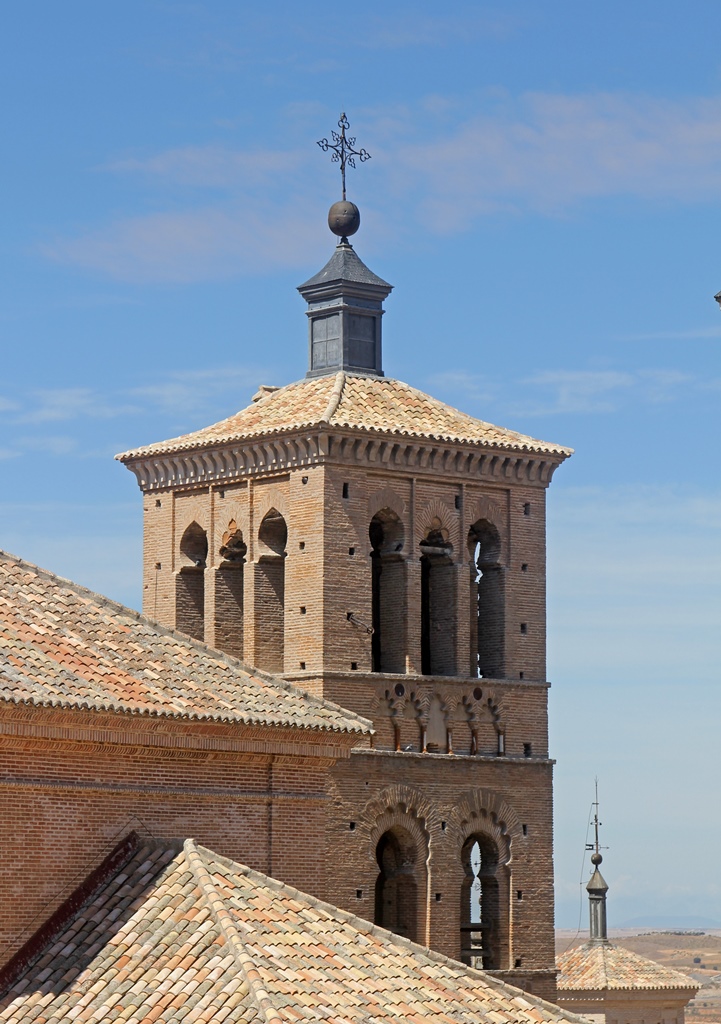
<point x="345" y="306"/>
<point x="597" y="889"/>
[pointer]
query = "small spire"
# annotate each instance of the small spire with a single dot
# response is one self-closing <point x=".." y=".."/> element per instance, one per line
<point x="597" y="887"/>
<point x="345" y="298"/>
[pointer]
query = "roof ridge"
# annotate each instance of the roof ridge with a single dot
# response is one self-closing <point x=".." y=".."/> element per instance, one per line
<point x="230" y="933"/>
<point x="365" y="725"/>
<point x="335" y="397"/>
<point x="369" y="928"/>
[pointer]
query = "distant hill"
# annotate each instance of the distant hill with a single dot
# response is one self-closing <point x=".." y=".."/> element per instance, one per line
<point x="670" y="923"/>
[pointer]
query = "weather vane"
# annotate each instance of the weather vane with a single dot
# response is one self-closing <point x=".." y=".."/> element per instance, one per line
<point x="343" y="149"/>
<point x="595" y="846"/>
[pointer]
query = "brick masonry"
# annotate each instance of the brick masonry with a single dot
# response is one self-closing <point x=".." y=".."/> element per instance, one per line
<point x="497" y="779"/>
<point x="73" y="783"/>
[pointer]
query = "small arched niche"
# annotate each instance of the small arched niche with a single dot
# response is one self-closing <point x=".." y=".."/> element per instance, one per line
<point x="194" y="547"/>
<point x="270" y="592"/>
<point x="438" y="603"/>
<point x="190" y="582"/>
<point x="396" y="891"/>
<point x="229" y="591"/>
<point x="388" y="592"/>
<point x="488" y="601"/>
<point x="483" y="931"/>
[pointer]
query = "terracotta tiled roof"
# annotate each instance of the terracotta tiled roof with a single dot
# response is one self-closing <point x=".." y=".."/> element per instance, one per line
<point x="171" y="931"/>
<point x="63" y="646"/>
<point x="597" y="966"/>
<point x="374" y="404"/>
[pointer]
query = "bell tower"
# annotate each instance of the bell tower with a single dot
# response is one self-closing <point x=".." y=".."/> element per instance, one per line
<point x="386" y="551"/>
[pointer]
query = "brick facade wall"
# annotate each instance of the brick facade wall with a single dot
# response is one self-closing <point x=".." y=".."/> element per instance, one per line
<point x="442" y="801"/>
<point x="429" y="727"/>
<point x="65" y="802"/>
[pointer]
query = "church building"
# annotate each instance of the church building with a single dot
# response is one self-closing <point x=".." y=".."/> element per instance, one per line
<point x="339" y="675"/>
<point x="386" y="552"/>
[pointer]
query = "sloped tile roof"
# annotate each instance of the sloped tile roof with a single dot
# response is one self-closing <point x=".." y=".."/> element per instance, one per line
<point x="171" y="931"/>
<point x="597" y="966"/>
<point x="63" y="646"/>
<point x="375" y="404"/>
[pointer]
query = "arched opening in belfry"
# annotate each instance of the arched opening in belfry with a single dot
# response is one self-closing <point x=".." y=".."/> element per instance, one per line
<point x="488" y="601"/>
<point x="388" y="592"/>
<point x="438" y="603"/>
<point x="229" y="625"/>
<point x="482" y="928"/>
<point x="190" y="582"/>
<point x="396" y="893"/>
<point x="270" y="593"/>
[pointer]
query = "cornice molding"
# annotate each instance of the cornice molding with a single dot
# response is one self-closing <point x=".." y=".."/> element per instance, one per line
<point x="57" y="728"/>
<point x="269" y="455"/>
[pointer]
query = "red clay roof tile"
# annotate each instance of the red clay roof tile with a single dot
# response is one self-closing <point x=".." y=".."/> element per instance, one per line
<point x="377" y="404"/>
<point x="62" y="646"/>
<point x="261" y="955"/>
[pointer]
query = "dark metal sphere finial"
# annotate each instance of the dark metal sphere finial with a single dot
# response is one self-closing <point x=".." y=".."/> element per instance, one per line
<point x="344" y="219"/>
<point x="596" y="859"/>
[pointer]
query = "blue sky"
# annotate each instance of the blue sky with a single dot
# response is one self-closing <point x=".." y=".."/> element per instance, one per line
<point x="545" y="195"/>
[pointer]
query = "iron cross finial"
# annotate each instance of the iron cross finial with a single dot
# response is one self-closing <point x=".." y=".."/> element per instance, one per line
<point x="343" y="149"/>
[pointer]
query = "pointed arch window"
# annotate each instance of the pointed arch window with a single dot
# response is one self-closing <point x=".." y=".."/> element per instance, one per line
<point x="438" y="603"/>
<point x="388" y="592"/>
<point x="488" y="654"/>
<point x="190" y="582"/>
<point x="396" y="893"/>
<point x="229" y="592"/>
<point x="484" y="901"/>
<point x="270" y="592"/>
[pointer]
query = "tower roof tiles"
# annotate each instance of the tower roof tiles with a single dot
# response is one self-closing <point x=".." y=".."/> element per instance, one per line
<point x="170" y="929"/>
<point x="64" y="646"/>
<point x="343" y="400"/>
<point x="602" y="966"/>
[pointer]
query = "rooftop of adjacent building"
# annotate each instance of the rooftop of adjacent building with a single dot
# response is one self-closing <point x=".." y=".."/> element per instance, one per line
<point x="598" y="965"/>
<point x="169" y="927"/>
<point x="605" y="967"/>
<point x="64" y="646"/>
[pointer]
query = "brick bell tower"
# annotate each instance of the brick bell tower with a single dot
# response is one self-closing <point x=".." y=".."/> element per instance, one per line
<point x="387" y="552"/>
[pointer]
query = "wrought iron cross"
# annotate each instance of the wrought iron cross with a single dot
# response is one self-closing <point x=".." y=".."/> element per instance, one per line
<point x="343" y="149"/>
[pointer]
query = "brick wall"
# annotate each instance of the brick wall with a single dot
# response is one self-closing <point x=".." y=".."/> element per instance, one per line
<point x="65" y="803"/>
<point x="442" y="801"/>
<point x="327" y="574"/>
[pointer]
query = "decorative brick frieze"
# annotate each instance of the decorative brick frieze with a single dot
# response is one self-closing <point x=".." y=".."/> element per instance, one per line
<point x="235" y="462"/>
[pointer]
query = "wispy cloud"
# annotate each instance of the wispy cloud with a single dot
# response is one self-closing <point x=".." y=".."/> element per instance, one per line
<point x="545" y="153"/>
<point x="539" y="152"/>
<point x="400" y="31"/>
<point x="577" y="391"/>
<point x="211" y="243"/>
<point x="215" y="166"/>
<point x="569" y="391"/>
<point x="697" y="333"/>
<point x="190" y="391"/>
<point x="57" y="404"/>
<point x="690" y="335"/>
<point x="186" y="397"/>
